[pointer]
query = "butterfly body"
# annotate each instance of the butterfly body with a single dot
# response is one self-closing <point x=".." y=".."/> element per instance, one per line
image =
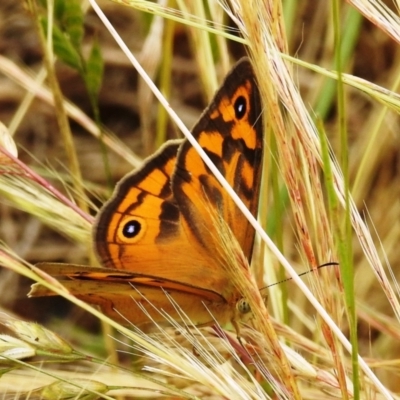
<point x="161" y="230"/>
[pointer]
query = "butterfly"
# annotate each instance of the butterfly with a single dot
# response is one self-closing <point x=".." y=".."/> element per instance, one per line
<point x="159" y="236"/>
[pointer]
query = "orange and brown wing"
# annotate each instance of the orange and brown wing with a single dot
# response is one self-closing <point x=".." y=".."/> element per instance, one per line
<point x="159" y="230"/>
<point x="230" y="131"/>
<point x="123" y="295"/>
<point x="140" y="230"/>
<point x="160" y="227"/>
<point x="139" y="210"/>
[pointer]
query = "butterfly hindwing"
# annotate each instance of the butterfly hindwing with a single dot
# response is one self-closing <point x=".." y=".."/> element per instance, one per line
<point x="123" y="295"/>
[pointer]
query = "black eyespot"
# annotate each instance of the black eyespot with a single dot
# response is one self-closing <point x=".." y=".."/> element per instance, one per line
<point x="131" y="229"/>
<point x="240" y="107"/>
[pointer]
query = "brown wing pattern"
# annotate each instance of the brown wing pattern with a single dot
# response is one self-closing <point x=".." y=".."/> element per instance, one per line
<point x="159" y="226"/>
<point x="140" y="211"/>
<point x="123" y="302"/>
<point x="140" y="230"/>
<point x="233" y="120"/>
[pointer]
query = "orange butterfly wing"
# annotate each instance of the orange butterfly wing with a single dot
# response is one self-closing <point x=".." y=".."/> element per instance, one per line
<point x="111" y="290"/>
<point x="230" y="132"/>
<point x="160" y="222"/>
<point x="160" y="229"/>
<point x="140" y="229"/>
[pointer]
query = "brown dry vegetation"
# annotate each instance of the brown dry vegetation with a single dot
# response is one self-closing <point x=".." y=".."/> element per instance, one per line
<point x="375" y="57"/>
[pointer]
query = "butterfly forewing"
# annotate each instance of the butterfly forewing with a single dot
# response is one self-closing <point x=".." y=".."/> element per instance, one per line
<point x="230" y="132"/>
<point x="141" y="202"/>
<point x="140" y="230"/>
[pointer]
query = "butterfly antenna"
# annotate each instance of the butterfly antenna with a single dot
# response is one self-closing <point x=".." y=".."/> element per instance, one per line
<point x="328" y="264"/>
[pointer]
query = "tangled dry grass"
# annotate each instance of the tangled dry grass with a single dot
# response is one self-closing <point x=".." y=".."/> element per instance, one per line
<point x="300" y="205"/>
